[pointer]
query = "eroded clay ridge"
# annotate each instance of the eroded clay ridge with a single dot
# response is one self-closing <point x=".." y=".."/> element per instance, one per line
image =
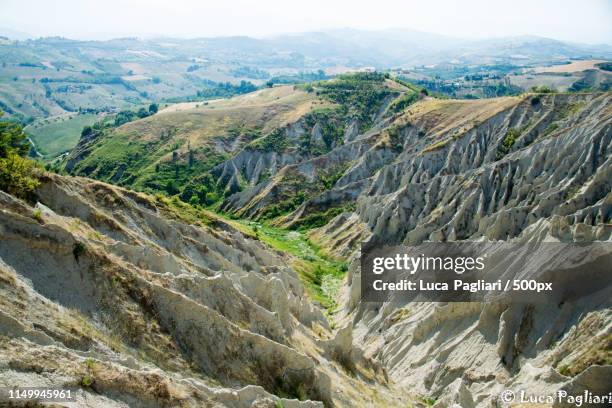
<point x="113" y="292"/>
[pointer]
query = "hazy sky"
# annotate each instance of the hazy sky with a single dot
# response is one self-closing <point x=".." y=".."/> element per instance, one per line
<point x="580" y="21"/>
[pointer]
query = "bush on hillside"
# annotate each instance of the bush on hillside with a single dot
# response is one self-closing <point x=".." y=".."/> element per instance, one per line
<point x="542" y="89"/>
<point x="18" y="174"/>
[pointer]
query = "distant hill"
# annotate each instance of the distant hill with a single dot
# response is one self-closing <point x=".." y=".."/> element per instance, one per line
<point x="55" y="76"/>
<point x="14" y="34"/>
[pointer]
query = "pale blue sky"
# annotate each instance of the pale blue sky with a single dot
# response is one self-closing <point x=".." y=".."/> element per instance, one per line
<point x="581" y="21"/>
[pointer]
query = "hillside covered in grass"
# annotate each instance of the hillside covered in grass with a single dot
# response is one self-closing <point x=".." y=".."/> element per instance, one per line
<point x="193" y="149"/>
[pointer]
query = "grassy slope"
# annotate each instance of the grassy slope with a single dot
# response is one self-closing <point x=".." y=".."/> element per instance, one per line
<point x="320" y="274"/>
<point x="210" y="130"/>
<point x="54" y="136"/>
<point x="444" y="119"/>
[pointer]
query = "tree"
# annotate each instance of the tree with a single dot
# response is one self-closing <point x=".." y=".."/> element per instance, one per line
<point x="87" y="130"/>
<point x="142" y="113"/>
<point x="12" y="139"/>
<point x="194" y="200"/>
<point x="211" y="198"/>
<point x="18" y="174"/>
<point x="171" y="188"/>
<point x="153" y="108"/>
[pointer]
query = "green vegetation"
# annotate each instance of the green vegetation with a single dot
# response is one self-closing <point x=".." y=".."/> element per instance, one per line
<point x="565" y="370"/>
<point x="54" y="136"/>
<point x="126" y="116"/>
<point x="273" y="141"/>
<point x="606" y="66"/>
<point x="428" y="401"/>
<point x="225" y="90"/>
<point x="437" y="145"/>
<point x="550" y="129"/>
<point x="18" y="175"/>
<point x="161" y="163"/>
<point x="284" y="207"/>
<point x="318" y="219"/>
<point x="403" y="102"/>
<point x="356" y="96"/>
<point x="360" y="95"/>
<point x="145" y="165"/>
<point x="478" y="81"/>
<point x="328" y="178"/>
<point x="87" y="381"/>
<point x="185" y="212"/>
<point x="289" y="390"/>
<point x="300" y="191"/>
<point x="331" y="122"/>
<point x="320" y="274"/>
<point x="395" y="139"/>
<point x="202" y="190"/>
<point x="78" y="249"/>
<point x="88" y="378"/>
<point x="37" y="214"/>
<point x="592" y="81"/>
<point x="569" y="110"/>
<point x="300" y="78"/>
<point x="597" y="353"/>
<point x="508" y="142"/>
<point x="249" y="72"/>
<point x="542" y="89"/>
<point x="410" y="85"/>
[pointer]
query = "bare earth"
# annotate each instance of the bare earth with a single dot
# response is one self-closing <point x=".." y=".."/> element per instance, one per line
<point x="575" y="66"/>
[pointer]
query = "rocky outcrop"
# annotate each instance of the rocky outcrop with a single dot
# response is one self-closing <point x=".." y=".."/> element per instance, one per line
<point x="535" y="167"/>
<point x="113" y="293"/>
<point x="552" y="182"/>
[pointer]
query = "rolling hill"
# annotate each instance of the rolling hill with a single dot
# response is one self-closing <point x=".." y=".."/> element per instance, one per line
<point x="216" y="260"/>
<point x="53" y="76"/>
<point x="177" y="150"/>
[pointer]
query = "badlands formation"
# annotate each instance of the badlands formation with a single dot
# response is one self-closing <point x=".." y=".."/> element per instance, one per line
<point x="138" y="304"/>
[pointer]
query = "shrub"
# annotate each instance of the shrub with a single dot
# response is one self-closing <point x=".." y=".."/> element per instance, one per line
<point x="273" y="141"/>
<point x="78" y="249"/>
<point x="18" y="174"/>
<point x="403" y="102"/>
<point x="87" y="381"/>
<point x="507" y="143"/>
<point x="318" y="219"/>
<point x="542" y="89"/>
<point x="87" y="130"/>
<point x="37" y="214"/>
<point x="194" y="200"/>
<point x="142" y="113"/>
<point x="211" y="198"/>
<point x="428" y="401"/>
